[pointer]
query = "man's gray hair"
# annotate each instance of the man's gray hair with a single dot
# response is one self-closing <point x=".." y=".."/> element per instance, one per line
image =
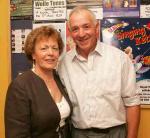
<point x="80" y="9"/>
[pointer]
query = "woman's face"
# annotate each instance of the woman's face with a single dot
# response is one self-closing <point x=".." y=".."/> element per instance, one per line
<point x="46" y="54"/>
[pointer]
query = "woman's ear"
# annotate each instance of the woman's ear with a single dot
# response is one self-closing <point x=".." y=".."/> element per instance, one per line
<point x="33" y="59"/>
<point x="33" y="56"/>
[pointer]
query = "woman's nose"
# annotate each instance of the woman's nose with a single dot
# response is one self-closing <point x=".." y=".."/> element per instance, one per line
<point x="50" y="51"/>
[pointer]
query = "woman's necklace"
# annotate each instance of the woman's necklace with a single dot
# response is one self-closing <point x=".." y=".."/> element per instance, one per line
<point x="49" y="84"/>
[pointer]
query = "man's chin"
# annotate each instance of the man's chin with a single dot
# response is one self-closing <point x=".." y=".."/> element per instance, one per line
<point x="82" y="45"/>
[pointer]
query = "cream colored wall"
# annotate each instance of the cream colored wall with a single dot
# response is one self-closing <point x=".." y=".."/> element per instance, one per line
<point x="4" y="58"/>
<point x="144" y="131"/>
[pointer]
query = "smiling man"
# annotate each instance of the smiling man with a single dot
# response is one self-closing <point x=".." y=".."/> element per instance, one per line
<point x="100" y="80"/>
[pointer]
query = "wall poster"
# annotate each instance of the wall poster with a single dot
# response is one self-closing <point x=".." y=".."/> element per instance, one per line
<point x="121" y="8"/>
<point x="49" y="9"/>
<point x="21" y="9"/>
<point x="133" y="37"/>
<point x="19" y="31"/>
<point x="18" y="37"/>
<point x="145" y="9"/>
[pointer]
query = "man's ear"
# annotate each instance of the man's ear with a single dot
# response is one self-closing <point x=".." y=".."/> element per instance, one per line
<point x="68" y="26"/>
<point x="98" y="29"/>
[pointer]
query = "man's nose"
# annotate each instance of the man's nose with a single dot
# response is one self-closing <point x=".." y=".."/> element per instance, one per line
<point x="81" y="32"/>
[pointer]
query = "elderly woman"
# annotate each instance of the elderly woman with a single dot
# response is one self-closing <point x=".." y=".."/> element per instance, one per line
<point x="37" y="105"/>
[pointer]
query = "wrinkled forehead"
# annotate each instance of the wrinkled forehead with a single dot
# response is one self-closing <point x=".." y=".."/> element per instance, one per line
<point x="81" y="16"/>
<point x="81" y="19"/>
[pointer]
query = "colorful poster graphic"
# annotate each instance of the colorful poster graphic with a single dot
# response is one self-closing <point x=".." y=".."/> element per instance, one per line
<point x="20" y="8"/>
<point x="133" y="37"/>
<point x="121" y="8"/>
<point x="49" y="9"/>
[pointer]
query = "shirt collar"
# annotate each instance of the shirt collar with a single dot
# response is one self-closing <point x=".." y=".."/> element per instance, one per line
<point x="98" y="49"/>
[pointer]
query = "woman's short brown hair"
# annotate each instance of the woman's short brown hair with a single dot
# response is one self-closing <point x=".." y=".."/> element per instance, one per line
<point x="38" y="33"/>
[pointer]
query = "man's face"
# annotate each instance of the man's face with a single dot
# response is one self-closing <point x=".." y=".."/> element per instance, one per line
<point x="83" y="31"/>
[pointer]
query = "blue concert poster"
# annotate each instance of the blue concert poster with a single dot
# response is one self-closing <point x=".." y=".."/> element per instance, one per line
<point x="133" y="37"/>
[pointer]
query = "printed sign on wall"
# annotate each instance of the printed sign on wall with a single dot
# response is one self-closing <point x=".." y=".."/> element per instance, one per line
<point x="18" y="37"/>
<point x="49" y="9"/>
<point x="145" y="9"/>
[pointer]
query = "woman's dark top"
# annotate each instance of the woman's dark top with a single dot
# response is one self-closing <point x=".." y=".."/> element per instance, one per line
<point x="30" y="111"/>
